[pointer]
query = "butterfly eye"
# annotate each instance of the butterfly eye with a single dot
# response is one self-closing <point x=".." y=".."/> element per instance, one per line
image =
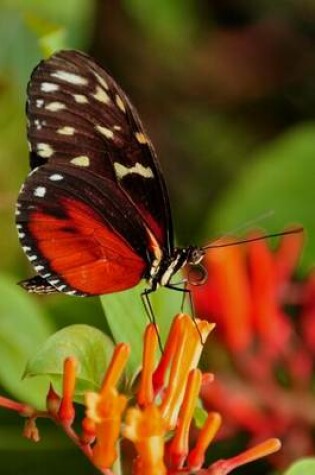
<point x="197" y="274"/>
<point x="195" y="256"/>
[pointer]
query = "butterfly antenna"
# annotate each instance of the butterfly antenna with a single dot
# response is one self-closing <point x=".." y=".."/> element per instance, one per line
<point x="296" y="230"/>
<point x="247" y="225"/>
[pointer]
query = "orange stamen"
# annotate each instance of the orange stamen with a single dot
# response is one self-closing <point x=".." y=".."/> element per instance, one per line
<point x="223" y="467"/>
<point x="168" y="354"/>
<point x="186" y="358"/>
<point x="145" y="393"/>
<point x="116" y="367"/>
<point x="178" y="448"/>
<point x="196" y="456"/>
<point x="66" y="411"/>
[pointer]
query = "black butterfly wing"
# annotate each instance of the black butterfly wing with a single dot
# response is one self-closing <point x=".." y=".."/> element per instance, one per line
<point x="80" y="232"/>
<point x="79" y="117"/>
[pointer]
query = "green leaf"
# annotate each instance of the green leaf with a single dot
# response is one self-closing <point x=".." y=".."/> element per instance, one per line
<point x="280" y="178"/>
<point x="304" y="466"/>
<point x="127" y="319"/>
<point x="91" y="348"/>
<point x="23" y="327"/>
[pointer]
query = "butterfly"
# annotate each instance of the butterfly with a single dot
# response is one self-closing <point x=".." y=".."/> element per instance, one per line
<point x="93" y="216"/>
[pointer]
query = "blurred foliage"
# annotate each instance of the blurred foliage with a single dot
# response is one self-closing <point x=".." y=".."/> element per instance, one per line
<point x="18" y="312"/>
<point x="276" y="181"/>
<point x="302" y="467"/>
<point x="226" y="90"/>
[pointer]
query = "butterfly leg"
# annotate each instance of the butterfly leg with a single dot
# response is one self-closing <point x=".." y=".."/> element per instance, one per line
<point x="186" y="292"/>
<point x="150" y="313"/>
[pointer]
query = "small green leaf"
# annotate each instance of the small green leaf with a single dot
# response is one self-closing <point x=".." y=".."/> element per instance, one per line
<point x="127" y="319"/>
<point x="23" y="327"/>
<point x="91" y="348"/>
<point x="200" y="415"/>
<point x="304" y="466"/>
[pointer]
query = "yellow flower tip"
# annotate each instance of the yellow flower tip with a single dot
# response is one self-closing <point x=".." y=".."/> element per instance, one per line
<point x="91" y="402"/>
<point x="141" y="424"/>
<point x="145" y="393"/>
<point x="146" y="429"/>
<point x="106" y="413"/>
<point x="196" y="456"/>
<point x="66" y="411"/>
<point x="116" y="367"/>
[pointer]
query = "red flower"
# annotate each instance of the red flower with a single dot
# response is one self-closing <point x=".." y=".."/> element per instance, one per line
<point x="248" y="293"/>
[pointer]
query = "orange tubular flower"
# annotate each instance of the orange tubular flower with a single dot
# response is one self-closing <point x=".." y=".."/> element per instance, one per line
<point x="157" y="420"/>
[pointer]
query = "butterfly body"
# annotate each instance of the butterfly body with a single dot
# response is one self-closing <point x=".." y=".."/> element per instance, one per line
<point x="93" y="215"/>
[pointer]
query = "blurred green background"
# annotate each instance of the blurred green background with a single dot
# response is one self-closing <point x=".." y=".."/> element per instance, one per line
<point x="226" y="91"/>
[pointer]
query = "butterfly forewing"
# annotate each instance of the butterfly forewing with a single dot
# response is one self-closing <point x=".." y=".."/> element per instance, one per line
<point x="93" y="215"/>
<point x="79" y="117"/>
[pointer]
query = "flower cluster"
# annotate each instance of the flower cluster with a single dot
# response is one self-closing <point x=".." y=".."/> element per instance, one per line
<point x="266" y="321"/>
<point x="156" y="420"/>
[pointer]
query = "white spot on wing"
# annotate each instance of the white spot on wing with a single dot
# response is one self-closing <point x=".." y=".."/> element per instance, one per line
<point x="101" y="95"/>
<point x="122" y="171"/>
<point x="49" y="87"/>
<point x="26" y="248"/>
<point x="109" y="134"/>
<point x="54" y="282"/>
<point x="39" y="103"/>
<point x="55" y="106"/>
<point x="38" y="268"/>
<point x="120" y="103"/>
<point x="21" y="235"/>
<point x="81" y="161"/>
<point x="40" y="191"/>
<point x="71" y="292"/>
<point x="56" y="177"/>
<point x="66" y="130"/>
<point x="70" y="78"/>
<point x="37" y="124"/>
<point x="141" y="138"/>
<point x="80" y="98"/>
<point x="44" y="150"/>
<point x="61" y="287"/>
<point x="32" y="258"/>
<point x="117" y="127"/>
<point x="101" y="80"/>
